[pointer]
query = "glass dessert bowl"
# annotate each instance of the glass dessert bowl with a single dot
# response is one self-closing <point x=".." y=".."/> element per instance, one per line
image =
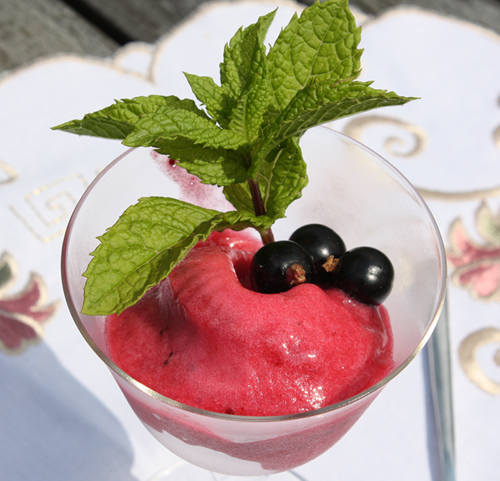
<point x="352" y="190"/>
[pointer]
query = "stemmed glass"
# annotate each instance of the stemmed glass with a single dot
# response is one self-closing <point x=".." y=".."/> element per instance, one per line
<point x="353" y="190"/>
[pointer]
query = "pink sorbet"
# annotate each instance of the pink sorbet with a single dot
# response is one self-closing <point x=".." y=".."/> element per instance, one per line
<point x="203" y="338"/>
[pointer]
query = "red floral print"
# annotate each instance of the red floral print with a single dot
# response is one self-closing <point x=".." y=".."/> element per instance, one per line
<point x="21" y="315"/>
<point x="477" y="265"/>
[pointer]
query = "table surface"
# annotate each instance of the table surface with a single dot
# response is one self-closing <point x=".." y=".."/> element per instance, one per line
<point x="32" y="31"/>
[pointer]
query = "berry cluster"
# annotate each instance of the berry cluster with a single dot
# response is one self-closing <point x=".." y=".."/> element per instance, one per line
<point x="316" y="254"/>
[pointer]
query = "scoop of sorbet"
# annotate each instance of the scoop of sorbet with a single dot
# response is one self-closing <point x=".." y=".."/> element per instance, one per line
<point x="203" y="338"/>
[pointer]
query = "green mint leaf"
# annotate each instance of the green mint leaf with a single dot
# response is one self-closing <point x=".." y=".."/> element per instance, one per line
<point x="241" y="100"/>
<point x="117" y="120"/>
<point x="283" y="179"/>
<point x="139" y="250"/>
<point x="242" y="54"/>
<point x="321" y="102"/>
<point x="145" y="244"/>
<point x="211" y="95"/>
<point x="240" y="196"/>
<point x="214" y="166"/>
<point x="168" y="124"/>
<point x="244" y="77"/>
<point x="97" y="126"/>
<point x="248" y="113"/>
<point x="321" y="43"/>
<point x="237" y="220"/>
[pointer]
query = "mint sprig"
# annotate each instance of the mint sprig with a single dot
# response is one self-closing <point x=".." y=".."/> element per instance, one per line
<point x="244" y="136"/>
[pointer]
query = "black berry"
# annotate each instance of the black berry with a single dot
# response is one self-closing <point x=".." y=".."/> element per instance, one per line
<point x="324" y="246"/>
<point x="366" y="274"/>
<point x="279" y="266"/>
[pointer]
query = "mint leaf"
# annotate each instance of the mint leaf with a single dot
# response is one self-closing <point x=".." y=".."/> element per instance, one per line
<point x="283" y="179"/>
<point x="214" y="166"/>
<point x="172" y="123"/>
<point x="239" y="220"/>
<point x="139" y="250"/>
<point x="97" y="126"/>
<point x="247" y="115"/>
<point x="243" y="53"/>
<point x="241" y="101"/>
<point x="117" y="120"/>
<point x="145" y="244"/>
<point x="240" y="196"/>
<point x="322" y="102"/>
<point x="321" y="44"/>
<point x="211" y="95"/>
<point x="244" y="78"/>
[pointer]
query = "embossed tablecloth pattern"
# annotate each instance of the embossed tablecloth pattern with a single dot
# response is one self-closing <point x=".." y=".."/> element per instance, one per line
<point x="61" y="417"/>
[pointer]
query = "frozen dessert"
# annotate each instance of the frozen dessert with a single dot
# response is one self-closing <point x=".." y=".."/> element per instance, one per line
<point x="200" y="312"/>
<point x="203" y="337"/>
<point x="208" y="317"/>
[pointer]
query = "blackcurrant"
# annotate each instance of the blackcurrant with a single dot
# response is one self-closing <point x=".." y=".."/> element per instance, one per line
<point x="323" y="245"/>
<point x="366" y="274"/>
<point x="279" y="266"/>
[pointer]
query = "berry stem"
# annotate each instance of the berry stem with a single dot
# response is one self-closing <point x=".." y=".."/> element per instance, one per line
<point x="267" y="236"/>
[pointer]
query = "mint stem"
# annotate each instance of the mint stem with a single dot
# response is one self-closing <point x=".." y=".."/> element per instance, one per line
<point x="267" y="236"/>
<point x="258" y="203"/>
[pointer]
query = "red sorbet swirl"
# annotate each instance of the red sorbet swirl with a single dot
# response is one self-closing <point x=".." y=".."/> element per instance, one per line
<point x="203" y="338"/>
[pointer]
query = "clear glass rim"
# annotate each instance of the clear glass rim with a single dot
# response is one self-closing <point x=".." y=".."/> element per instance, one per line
<point x="231" y="417"/>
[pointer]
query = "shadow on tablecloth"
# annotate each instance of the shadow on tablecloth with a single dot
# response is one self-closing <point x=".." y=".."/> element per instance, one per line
<point x="61" y="433"/>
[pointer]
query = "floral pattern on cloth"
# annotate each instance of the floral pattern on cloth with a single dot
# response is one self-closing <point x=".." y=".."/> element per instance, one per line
<point x="22" y="315"/>
<point x="477" y="270"/>
<point x="477" y="265"/>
